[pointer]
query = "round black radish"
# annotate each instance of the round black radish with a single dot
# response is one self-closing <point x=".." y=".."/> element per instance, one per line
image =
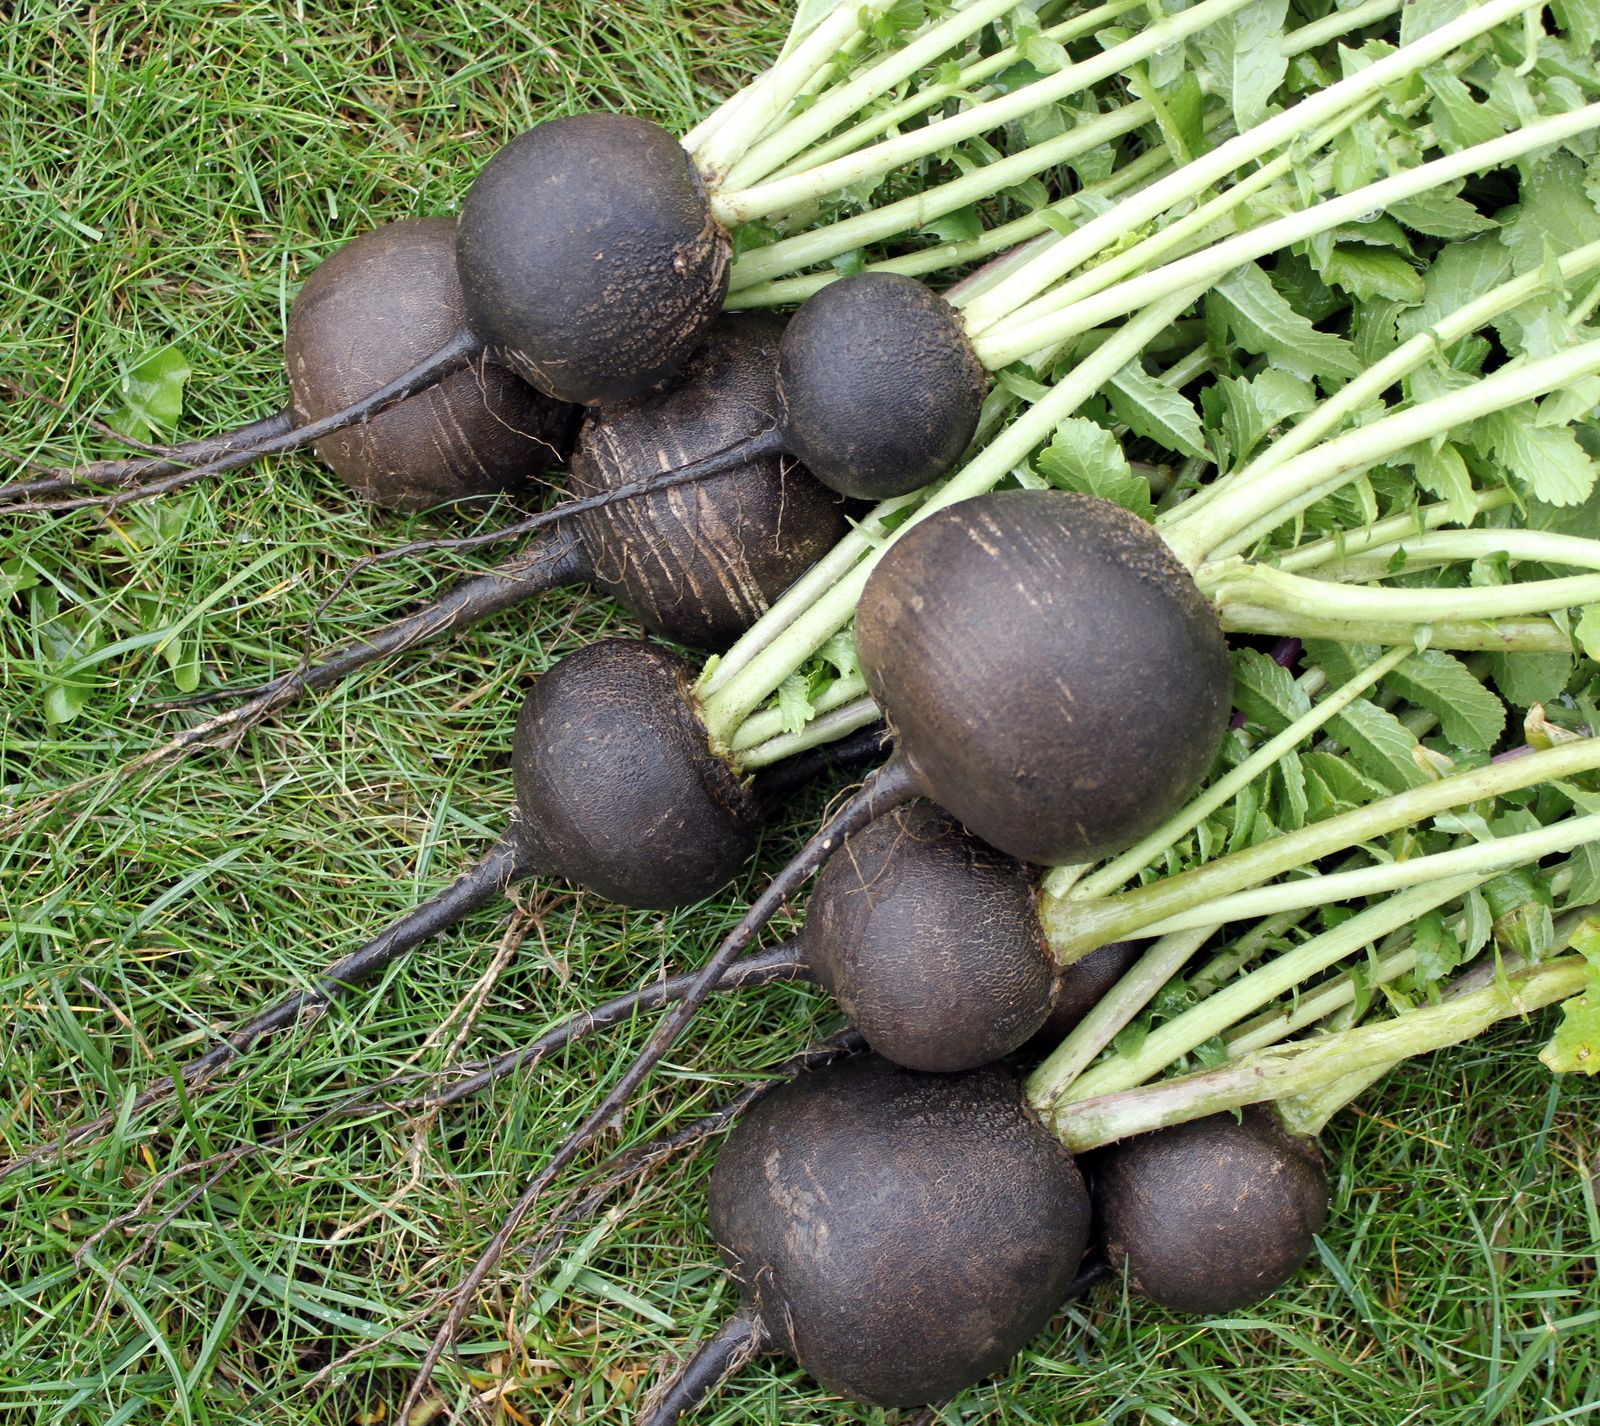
<point x="590" y="258"/>
<point x="1054" y="677"/>
<point x="901" y="1235"/>
<point x="880" y="386"/>
<point x="699" y="563"/>
<point x="369" y="313"/>
<point x="617" y="788"/>
<point x="1212" y="1215"/>
<point x="930" y="942"/>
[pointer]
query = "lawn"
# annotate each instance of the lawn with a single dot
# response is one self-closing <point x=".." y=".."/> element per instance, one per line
<point x="172" y="172"/>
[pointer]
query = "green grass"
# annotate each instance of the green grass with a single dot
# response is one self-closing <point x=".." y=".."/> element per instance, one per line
<point x="172" y="171"/>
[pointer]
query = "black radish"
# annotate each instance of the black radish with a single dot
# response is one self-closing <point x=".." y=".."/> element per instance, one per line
<point x="1213" y="1215"/>
<point x="879" y="390"/>
<point x="698" y="564"/>
<point x="901" y="1235"/>
<point x="590" y="258"/>
<point x="366" y="315"/>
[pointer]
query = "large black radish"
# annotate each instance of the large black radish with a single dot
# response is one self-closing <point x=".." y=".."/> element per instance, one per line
<point x="368" y="314"/>
<point x="698" y="564"/>
<point x="1213" y="1215"/>
<point x="901" y="1235"/>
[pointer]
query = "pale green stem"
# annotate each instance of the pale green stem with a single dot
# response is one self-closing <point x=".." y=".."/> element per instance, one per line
<point x="934" y="202"/>
<point x="826" y="728"/>
<point x="1162" y="960"/>
<point x="717" y="152"/>
<point x="1365" y="389"/>
<point x="1129" y="864"/>
<point x="1393" y="532"/>
<point x="1247" y="949"/>
<point x="1493" y="636"/>
<point x="1307" y="1066"/>
<point x="1006" y="342"/>
<point x="1202" y="172"/>
<point x="739" y="696"/>
<point x="802" y="252"/>
<point x="1072" y="928"/>
<point x="1311" y="475"/>
<point x="1280" y="1022"/>
<point x="1480" y="859"/>
<point x="853" y="96"/>
<point x="732" y="208"/>
<point x="761" y="727"/>
<point x="1260" y="587"/>
<point x="876" y="125"/>
<point x="1383" y="560"/>
<point x="1165" y="1045"/>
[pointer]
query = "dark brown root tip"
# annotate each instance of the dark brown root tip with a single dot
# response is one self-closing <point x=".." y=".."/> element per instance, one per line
<point x="507" y="861"/>
<point x="736" y="1342"/>
<point x="112" y="475"/>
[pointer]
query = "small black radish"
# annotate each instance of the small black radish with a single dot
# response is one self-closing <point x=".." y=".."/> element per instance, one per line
<point x="367" y="314"/>
<point x="1213" y="1215"/>
<point x="698" y="564"/>
<point x="879" y="391"/>
<point x="900" y="1235"/>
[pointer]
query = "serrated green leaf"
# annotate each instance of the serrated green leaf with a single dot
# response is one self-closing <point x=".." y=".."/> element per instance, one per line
<point x="1546" y="461"/>
<point x="1154" y="410"/>
<point x="1379" y="743"/>
<point x="1460" y="273"/>
<point x="1293" y="803"/>
<point x="1441" y="214"/>
<point x="1587" y="630"/>
<point x="1580" y="19"/>
<point x="1470" y="716"/>
<point x="794" y="703"/>
<point x="958" y="227"/>
<point x="1458" y="118"/>
<point x="1526" y="679"/>
<point x="1265" y="323"/>
<point x="152" y="395"/>
<point x="1254" y="406"/>
<point x="1366" y="274"/>
<point x="1244" y="54"/>
<point x="1179" y="109"/>
<point x="1085" y="457"/>
<point x="1575" y="1047"/>
<point x="1346" y="783"/>
<point x="1444" y="475"/>
<point x="1266" y="692"/>
<point x="840" y="651"/>
<point x="1555" y="213"/>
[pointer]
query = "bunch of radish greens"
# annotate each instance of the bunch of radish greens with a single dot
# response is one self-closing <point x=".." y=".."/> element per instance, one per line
<point x="1305" y="356"/>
